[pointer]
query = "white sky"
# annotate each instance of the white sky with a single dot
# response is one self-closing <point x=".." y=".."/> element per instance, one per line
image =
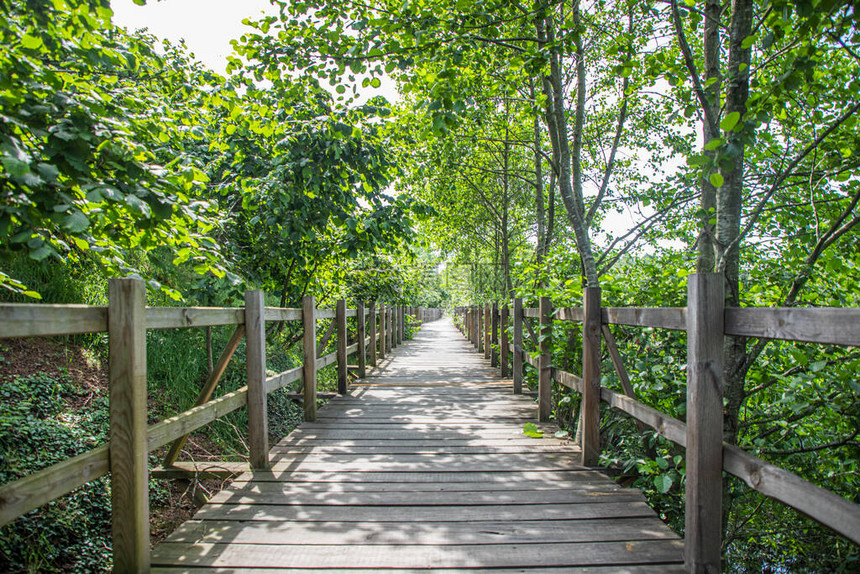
<point x="206" y="25"/>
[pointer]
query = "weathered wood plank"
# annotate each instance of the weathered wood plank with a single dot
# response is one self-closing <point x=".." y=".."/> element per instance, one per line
<point x="545" y="361"/>
<point x="255" y="340"/>
<point x="129" y="464"/>
<point x="283" y="314"/>
<point x="440" y="533"/>
<point x="283" y="379"/>
<point x="568" y="380"/>
<point x="423" y="513"/>
<point x="573" y="314"/>
<point x="40" y="320"/>
<point x="703" y="500"/>
<point x="324" y="314"/>
<point x="401" y="556"/>
<point x="309" y="356"/>
<point x="830" y="326"/>
<point x="617" y="569"/>
<point x="182" y="317"/>
<point x="674" y="318"/>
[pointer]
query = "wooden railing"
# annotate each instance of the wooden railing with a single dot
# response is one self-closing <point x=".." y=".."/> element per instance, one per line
<point x="707" y="322"/>
<point x="126" y="319"/>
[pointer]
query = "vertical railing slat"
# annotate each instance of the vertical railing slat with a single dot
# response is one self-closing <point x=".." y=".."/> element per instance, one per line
<point x="128" y="446"/>
<point x="255" y="341"/>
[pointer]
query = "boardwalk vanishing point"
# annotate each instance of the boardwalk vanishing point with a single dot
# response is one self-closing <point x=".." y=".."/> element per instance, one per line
<point x="424" y="467"/>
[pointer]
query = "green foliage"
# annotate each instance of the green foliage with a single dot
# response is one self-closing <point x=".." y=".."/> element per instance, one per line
<point x="37" y="429"/>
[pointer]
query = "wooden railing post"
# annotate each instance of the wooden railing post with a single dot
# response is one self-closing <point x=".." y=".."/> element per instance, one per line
<point x="361" y="330"/>
<point x="382" y="333"/>
<point x="494" y="335"/>
<point x="545" y="361"/>
<point x="128" y="445"/>
<point x="488" y="323"/>
<point x="255" y="341"/>
<point x="340" y="318"/>
<point x="518" y="346"/>
<point x="479" y="337"/>
<point x="705" y="333"/>
<point x="504" y="342"/>
<point x="400" y="318"/>
<point x="371" y="321"/>
<point x="389" y="327"/>
<point x="309" y="347"/>
<point x="590" y="410"/>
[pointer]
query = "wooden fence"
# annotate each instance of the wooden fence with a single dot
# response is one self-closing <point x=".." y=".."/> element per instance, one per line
<point x="707" y="321"/>
<point x="379" y="328"/>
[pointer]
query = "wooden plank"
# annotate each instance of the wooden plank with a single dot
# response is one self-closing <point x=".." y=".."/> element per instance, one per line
<point x="531" y="312"/>
<point x="517" y="349"/>
<point x="352" y="349"/>
<point x="41" y="320"/>
<point x="129" y="464"/>
<point x="666" y="426"/>
<point x="283" y="379"/>
<point x="361" y="335"/>
<point x="188" y="421"/>
<point x="340" y="319"/>
<point x="327" y="360"/>
<point x="500" y="512"/>
<point x="324" y="314"/>
<point x="589" y="427"/>
<point x="494" y="335"/>
<point x="208" y="388"/>
<point x="488" y="322"/>
<point x="181" y="317"/>
<point x="511" y="479"/>
<point x="401" y="556"/>
<point x="272" y="494"/>
<point x="617" y="569"/>
<point x="371" y="323"/>
<point x="438" y="534"/>
<point x="705" y="312"/>
<point x="568" y="380"/>
<point x="538" y="447"/>
<point x="831" y="510"/>
<point x="255" y="340"/>
<point x="573" y="314"/>
<point x="283" y="314"/>
<point x="545" y="361"/>
<point x="504" y="343"/>
<point x="351" y="313"/>
<point x="829" y="326"/>
<point x="309" y="356"/>
<point x="673" y="318"/>
<point x="31" y="492"/>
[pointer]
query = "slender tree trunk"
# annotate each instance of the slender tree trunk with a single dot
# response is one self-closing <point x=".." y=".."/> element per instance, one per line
<point x="705" y="253"/>
<point x="569" y="164"/>
<point x="728" y="215"/>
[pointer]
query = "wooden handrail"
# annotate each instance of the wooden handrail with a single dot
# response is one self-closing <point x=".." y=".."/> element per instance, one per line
<point x="126" y="320"/>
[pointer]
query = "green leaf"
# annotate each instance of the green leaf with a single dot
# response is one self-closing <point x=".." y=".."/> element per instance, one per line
<point x="730" y="121"/>
<point x="31" y="42"/>
<point x="31" y="294"/>
<point x="714" y="144"/>
<point x="747" y="42"/>
<point x="75" y="222"/>
<point x="531" y="430"/>
<point x="716" y="180"/>
<point x="663" y="483"/>
<point x="663" y="463"/>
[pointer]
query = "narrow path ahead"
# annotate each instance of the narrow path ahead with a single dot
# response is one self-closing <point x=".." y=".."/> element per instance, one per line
<point x="424" y="466"/>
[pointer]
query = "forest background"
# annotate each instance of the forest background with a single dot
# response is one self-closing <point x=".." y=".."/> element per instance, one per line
<point x="725" y="132"/>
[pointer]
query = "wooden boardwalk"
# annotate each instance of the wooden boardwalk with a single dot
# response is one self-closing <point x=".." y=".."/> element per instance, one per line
<point x="424" y="467"/>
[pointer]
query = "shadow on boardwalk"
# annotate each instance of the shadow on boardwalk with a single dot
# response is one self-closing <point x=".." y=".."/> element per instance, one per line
<point x="424" y="466"/>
